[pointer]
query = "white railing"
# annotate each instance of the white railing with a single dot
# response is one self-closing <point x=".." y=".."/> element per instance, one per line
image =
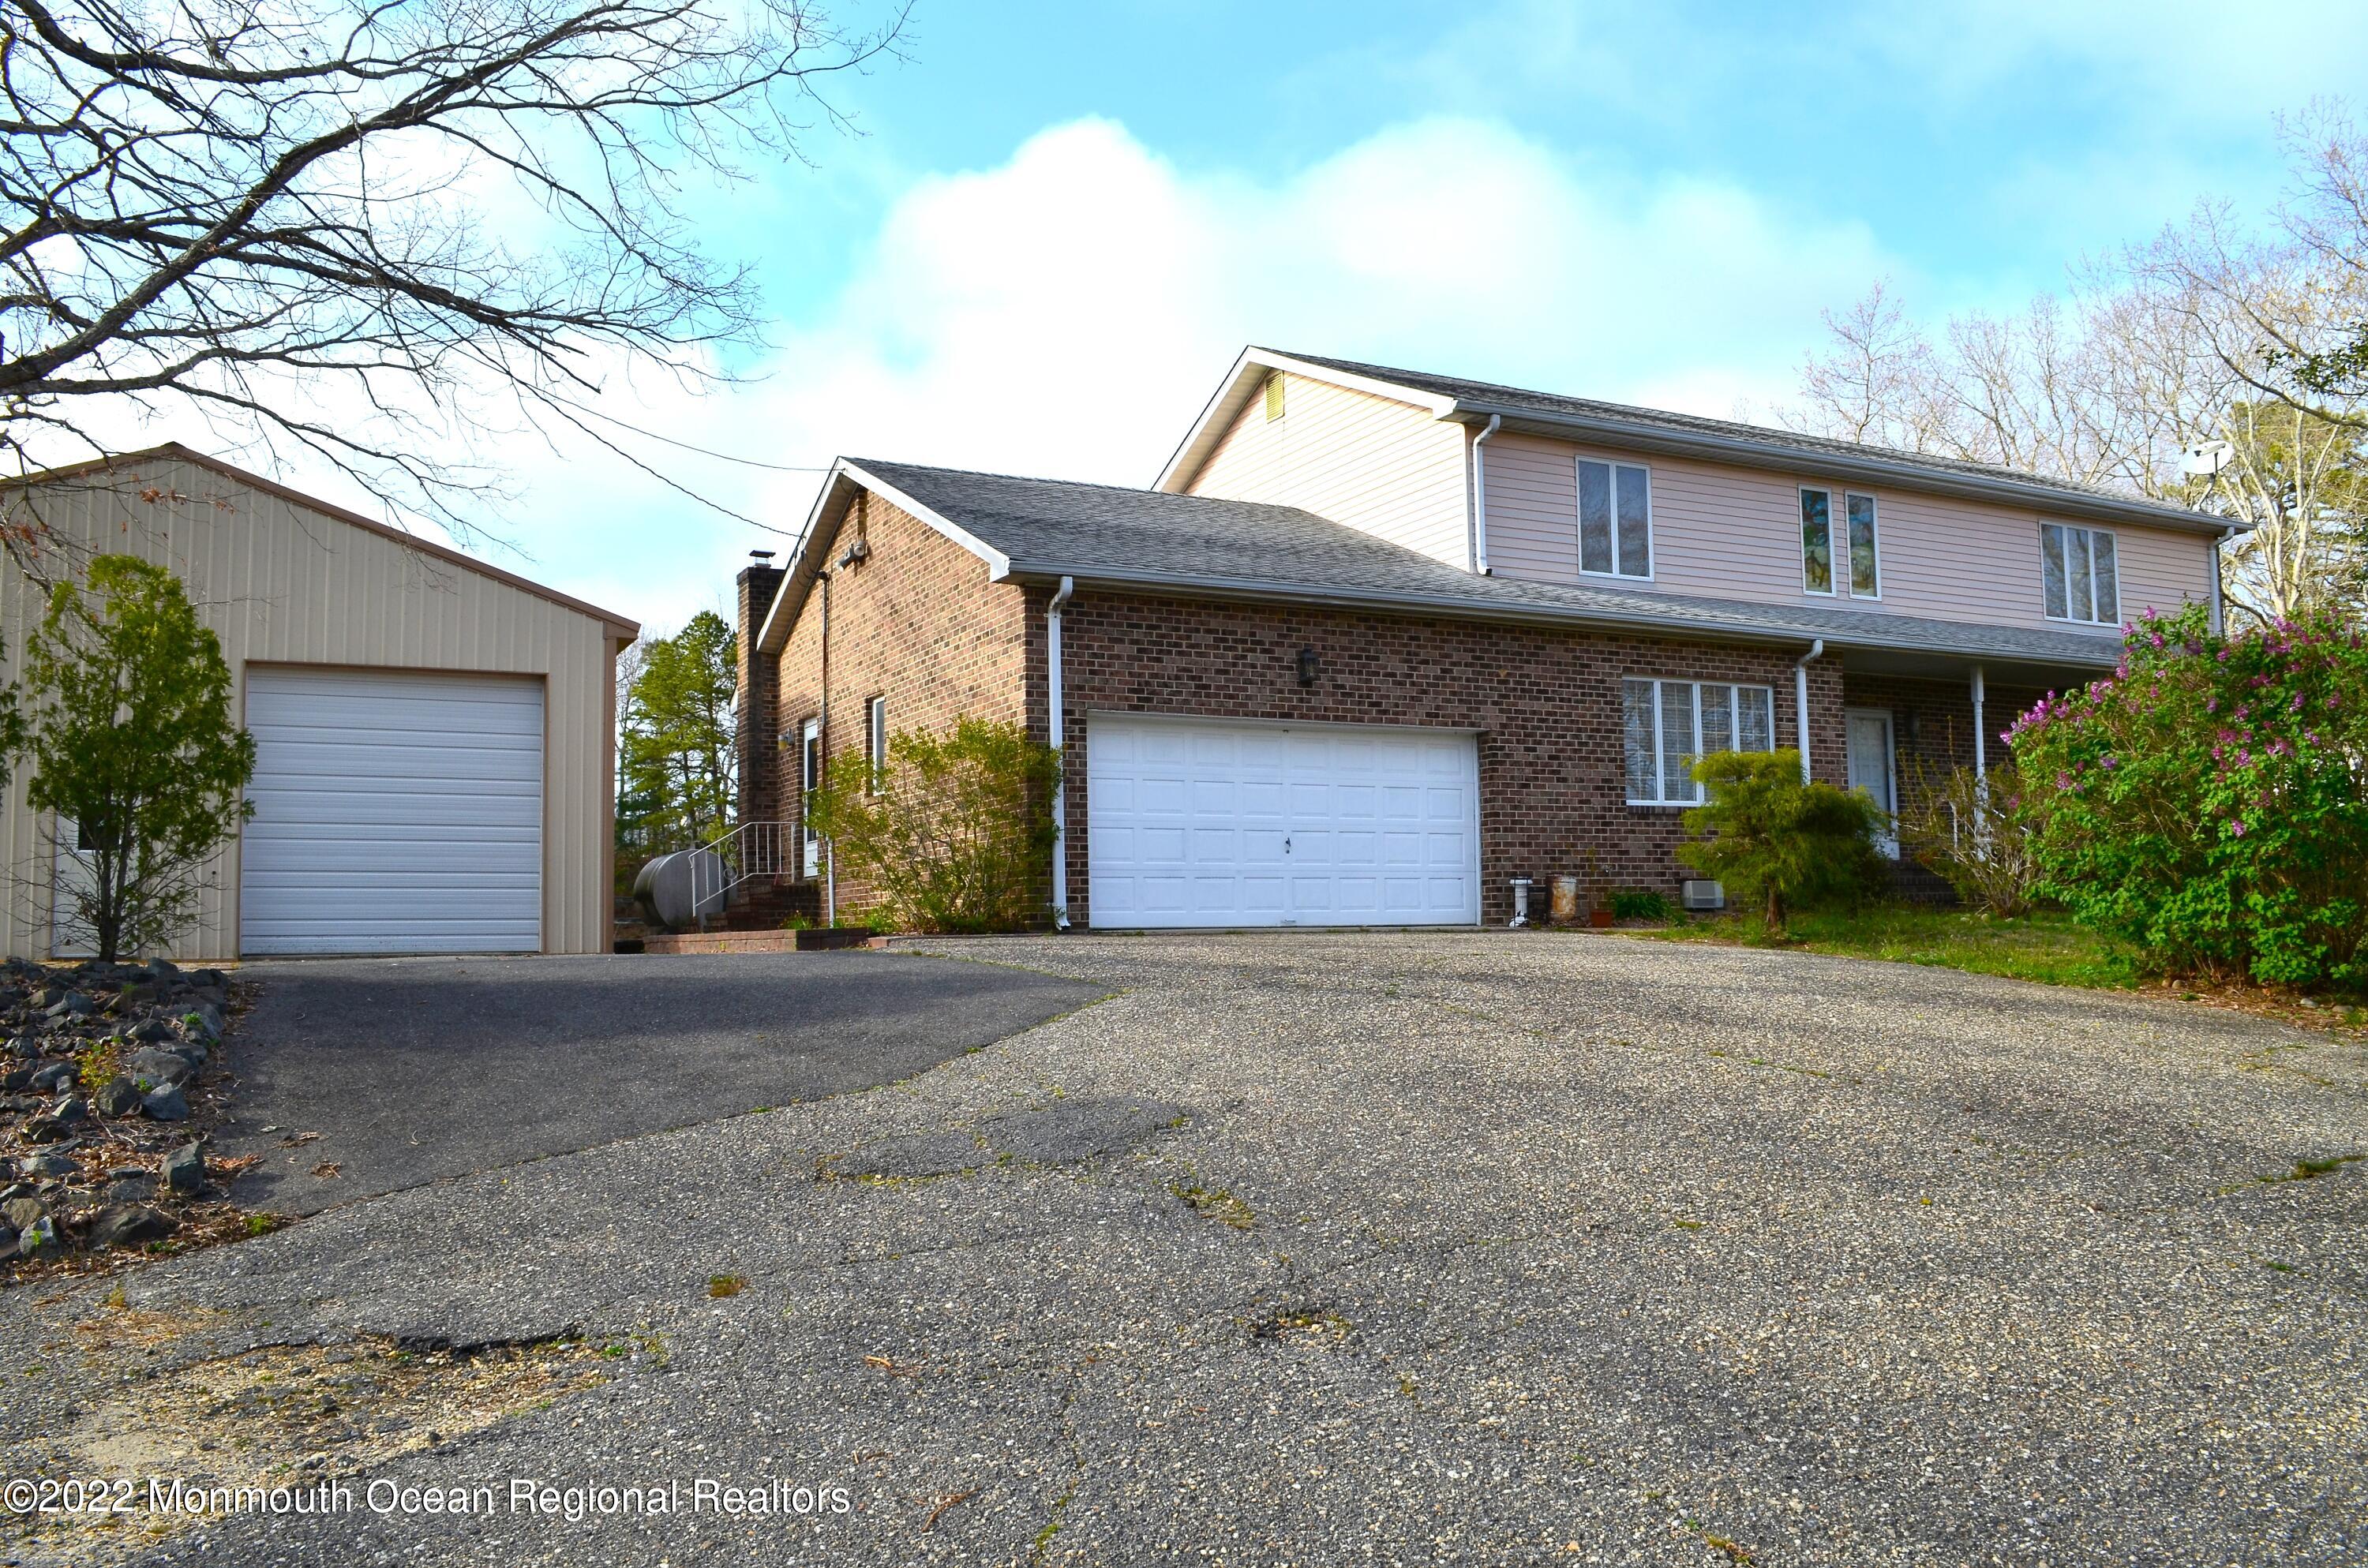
<point x="751" y="850"/>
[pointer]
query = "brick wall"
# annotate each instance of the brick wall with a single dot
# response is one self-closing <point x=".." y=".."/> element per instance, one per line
<point x="756" y="702"/>
<point x="915" y="621"/>
<point x="1547" y="705"/>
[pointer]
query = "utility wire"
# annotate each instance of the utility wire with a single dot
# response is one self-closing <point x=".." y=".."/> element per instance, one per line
<point x="686" y="446"/>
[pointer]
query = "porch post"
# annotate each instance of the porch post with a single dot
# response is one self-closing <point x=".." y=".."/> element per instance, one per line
<point x="1981" y="731"/>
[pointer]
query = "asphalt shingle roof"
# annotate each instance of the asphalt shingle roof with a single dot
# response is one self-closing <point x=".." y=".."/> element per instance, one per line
<point x="1515" y="401"/>
<point x="1110" y="533"/>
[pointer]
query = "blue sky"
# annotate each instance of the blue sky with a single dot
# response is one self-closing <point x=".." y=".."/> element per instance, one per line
<point x="1060" y="221"/>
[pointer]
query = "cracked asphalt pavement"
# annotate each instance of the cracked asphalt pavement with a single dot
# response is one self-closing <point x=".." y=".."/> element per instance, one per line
<point x="1486" y="1248"/>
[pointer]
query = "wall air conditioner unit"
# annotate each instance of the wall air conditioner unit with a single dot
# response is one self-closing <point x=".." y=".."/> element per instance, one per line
<point x="1699" y="893"/>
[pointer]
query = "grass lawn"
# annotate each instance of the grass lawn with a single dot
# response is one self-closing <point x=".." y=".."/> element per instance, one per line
<point x="2045" y="947"/>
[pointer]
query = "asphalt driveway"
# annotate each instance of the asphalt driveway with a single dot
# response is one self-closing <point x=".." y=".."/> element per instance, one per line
<point x="391" y="1073"/>
<point x="1457" y="1248"/>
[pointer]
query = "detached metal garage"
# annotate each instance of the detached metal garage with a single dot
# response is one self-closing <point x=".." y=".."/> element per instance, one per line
<point x="434" y="736"/>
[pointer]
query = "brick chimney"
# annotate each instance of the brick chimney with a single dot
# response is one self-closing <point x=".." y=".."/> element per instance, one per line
<point x="759" y="696"/>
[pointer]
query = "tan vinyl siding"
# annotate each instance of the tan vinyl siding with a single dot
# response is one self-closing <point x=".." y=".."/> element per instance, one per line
<point x="280" y="583"/>
<point x="1387" y="468"/>
<point x="1731" y="532"/>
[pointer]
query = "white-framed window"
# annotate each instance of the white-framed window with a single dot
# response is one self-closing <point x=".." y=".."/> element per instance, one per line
<point x="876" y="740"/>
<point x="1859" y="555"/>
<point x="1615" y="519"/>
<point x="1667" y="725"/>
<point x="2079" y="574"/>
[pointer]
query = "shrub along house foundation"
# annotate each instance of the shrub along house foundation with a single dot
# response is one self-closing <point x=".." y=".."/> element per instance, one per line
<point x="1377" y="644"/>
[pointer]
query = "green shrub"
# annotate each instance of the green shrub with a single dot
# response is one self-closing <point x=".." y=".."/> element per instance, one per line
<point x="2209" y="800"/>
<point x="956" y="833"/>
<point x="1975" y="831"/>
<point x="1639" y="904"/>
<point x="1777" y="841"/>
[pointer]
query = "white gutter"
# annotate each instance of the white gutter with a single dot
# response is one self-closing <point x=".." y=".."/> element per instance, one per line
<point x="1058" y="735"/>
<point x="1801" y="699"/>
<point x="1480" y="496"/>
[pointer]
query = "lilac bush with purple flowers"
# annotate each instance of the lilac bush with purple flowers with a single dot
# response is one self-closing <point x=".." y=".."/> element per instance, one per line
<point x="2208" y="801"/>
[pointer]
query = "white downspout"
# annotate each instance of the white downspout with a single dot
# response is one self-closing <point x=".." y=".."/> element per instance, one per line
<point x="822" y="740"/>
<point x="1057" y="732"/>
<point x="2225" y="535"/>
<point x="1480" y="497"/>
<point x="1801" y="700"/>
<point x="1981" y="729"/>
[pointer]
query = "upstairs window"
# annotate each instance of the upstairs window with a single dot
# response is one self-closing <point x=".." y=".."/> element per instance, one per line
<point x="1667" y="725"/>
<point x="2079" y="574"/>
<point x="1863" y="574"/>
<point x="1615" y="519"/>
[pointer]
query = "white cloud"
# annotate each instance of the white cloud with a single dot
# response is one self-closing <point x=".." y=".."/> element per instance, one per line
<point x="1067" y="312"/>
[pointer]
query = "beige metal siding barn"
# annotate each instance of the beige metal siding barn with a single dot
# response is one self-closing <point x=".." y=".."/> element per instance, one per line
<point x="436" y="735"/>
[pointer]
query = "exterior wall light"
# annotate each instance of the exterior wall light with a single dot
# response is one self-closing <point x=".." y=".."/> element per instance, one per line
<point x="1307" y="666"/>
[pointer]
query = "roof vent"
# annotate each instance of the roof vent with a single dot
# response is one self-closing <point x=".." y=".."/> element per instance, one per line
<point x="1274" y="396"/>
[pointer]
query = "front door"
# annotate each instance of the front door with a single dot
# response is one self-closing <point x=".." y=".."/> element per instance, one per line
<point x="1871" y="769"/>
<point x="809" y="780"/>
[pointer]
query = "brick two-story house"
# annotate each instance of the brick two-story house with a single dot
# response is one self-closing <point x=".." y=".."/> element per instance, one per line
<point x="1377" y="641"/>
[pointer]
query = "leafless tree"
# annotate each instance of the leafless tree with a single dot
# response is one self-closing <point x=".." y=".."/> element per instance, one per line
<point x="334" y="226"/>
<point x="2210" y="334"/>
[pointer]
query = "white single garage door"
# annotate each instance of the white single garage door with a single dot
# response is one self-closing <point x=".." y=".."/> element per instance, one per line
<point x="1200" y="823"/>
<point x="394" y="813"/>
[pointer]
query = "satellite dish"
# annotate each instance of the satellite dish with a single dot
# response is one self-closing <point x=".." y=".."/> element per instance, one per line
<point x="2205" y="458"/>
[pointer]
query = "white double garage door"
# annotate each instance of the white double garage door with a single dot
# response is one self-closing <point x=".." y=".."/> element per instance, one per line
<point x="1194" y="823"/>
<point x="394" y="813"/>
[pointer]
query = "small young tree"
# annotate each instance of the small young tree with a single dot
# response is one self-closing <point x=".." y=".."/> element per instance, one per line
<point x="956" y="833"/>
<point x="1773" y="838"/>
<point x="131" y="739"/>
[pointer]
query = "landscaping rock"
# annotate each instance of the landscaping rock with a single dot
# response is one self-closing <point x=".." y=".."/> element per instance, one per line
<point x="44" y="1130"/>
<point x="165" y="1104"/>
<point x="153" y="1030"/>
<point x="16" y="1078"/>
<point x="73" y="1004"/>
<point x="160" y="1067"/>
<point x="184" y="1170"/>
<point x="131" y="1225"/>
<point x="25" y="1048"/>
<point x="48" y="1167"/>
<point x="19" y="1212"/>
<point x="208" y="1021"/>
<point x="132" y="1187"/>
<point x="70" y="1111"/>
<point x="119" y="1098"/>
<point x="57" y="1074"/>
<point x="41" y="1236"/>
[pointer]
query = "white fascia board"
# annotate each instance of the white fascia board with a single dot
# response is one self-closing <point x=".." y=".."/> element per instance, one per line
<point x="796" y="562"/>
<point x="998" y="565"/>
<point x="1233" y="394"/>
<point x="813" y="536"/>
